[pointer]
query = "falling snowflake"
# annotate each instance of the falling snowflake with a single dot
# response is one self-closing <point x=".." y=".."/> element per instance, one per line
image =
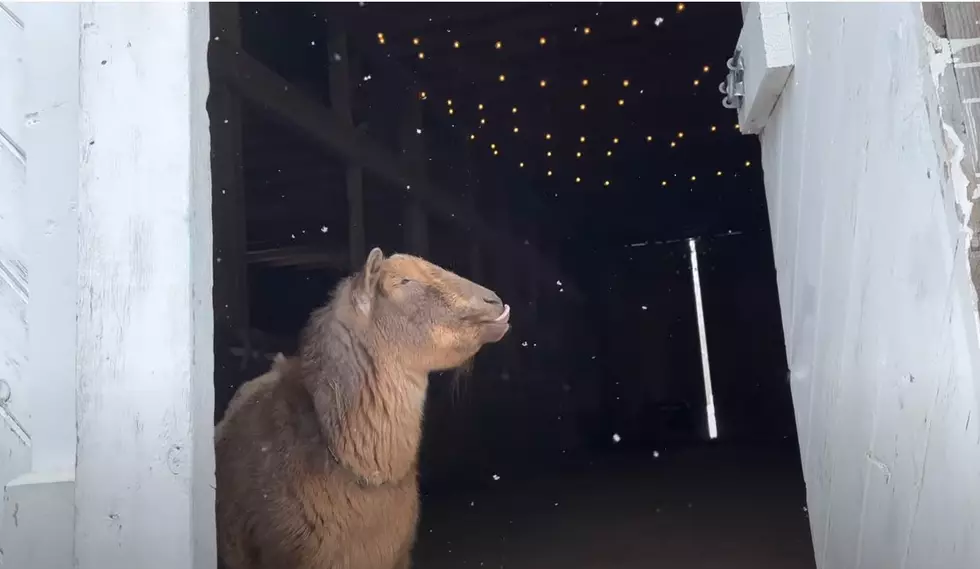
<point x="496" y="477"/>
<point x="658" y="21"/>
<point x="419" y="131"/>
<point x="324" y="229"/>
<point x="616" y="438"/>
<point x="643" y="307"/>
<point x="524" y="344"/>
<point x="656" y="454"/>
<point x="558" y="283"/>
<point x="367" y="78"/>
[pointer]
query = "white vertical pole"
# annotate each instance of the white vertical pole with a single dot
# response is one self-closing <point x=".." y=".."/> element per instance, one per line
<point x="709" y="397"/>
<point x="144" y="478"/>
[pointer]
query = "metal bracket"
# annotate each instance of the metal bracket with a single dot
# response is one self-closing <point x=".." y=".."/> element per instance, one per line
<point x="733" y="88"/>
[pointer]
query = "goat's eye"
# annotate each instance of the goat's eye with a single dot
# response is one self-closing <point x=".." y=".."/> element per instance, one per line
<point x="405" y="281"/>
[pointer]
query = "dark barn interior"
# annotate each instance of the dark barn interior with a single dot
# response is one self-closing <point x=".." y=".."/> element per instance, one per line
<point x="563" y="155"/>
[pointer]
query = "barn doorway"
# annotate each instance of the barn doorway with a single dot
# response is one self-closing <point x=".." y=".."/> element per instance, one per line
<point x="567" y="156"/>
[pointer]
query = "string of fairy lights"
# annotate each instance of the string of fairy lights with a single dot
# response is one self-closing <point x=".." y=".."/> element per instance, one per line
<point x="607" y="149"/>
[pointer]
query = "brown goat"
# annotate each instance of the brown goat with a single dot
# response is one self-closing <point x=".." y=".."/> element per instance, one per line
<point x="317" y="459"/>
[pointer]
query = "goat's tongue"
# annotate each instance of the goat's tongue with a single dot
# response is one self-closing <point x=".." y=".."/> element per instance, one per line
<point x="503" y="316"/>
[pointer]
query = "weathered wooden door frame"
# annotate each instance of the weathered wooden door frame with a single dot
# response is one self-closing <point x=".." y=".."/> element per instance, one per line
<point x="130" y="279"/>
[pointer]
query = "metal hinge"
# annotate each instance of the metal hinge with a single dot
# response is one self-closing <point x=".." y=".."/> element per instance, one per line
<point x="732" y="88"/>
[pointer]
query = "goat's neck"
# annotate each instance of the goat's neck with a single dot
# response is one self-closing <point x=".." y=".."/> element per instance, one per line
<point x="370" y="410"/>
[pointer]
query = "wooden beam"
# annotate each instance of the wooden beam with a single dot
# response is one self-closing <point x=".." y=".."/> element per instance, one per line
<point x="413" y="143"/>
<point x="268" y="90"/>
<point x="340" y="99"/>
<point x="144" y="476"/>
<point x="301" y="256"/>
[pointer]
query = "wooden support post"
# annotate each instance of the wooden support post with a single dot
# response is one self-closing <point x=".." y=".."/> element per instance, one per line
<point x="340" y="101"/>
<point x="413" y="145"/>
<point x="144" y="476"/>
<point x="37" y="338"/>
<point x="231" y="314"/>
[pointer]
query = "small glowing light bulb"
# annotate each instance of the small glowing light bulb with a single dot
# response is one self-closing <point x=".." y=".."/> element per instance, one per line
<point x="578" y="180"/>
<point x="550" y="172"/>
<point x="456" y="44"/>
<point x="673" y="144"/>
<point x="421" y="55"/>
<point x="578" y="154"/>
<point x="472" y="137"/>
<point x="705" y="69"/>
<point x="547" y="136"/>
<point x="479" y="107"/>
<point x="422" y="95"/>
<point x="587" y="30"/>
<point x="502" y="78"/>
<point x="498" y="45"/>
<point x="615" y="141"/>
<point x="521" y="164"/>
<point x="694" y="178"/>
<point x="549" y="154"/>
<point x="680" y="135"/>
<point x="416" y="41"/>
<point x="493" y="146"/>
<point x="697" y="82"/>
<point x="516" y="129"/>
<point x="451" y="111"/>
<point x="581" y="107"/>
<point x="634" y="22"/>
<point x="736" y="125"/>
<point x="649" y="138"/>
<point x="449" y="102"/>
<point x="718" y="173"/>
<point x="680" y="7"/>
<point x="747" y="163"/>
<point x="542" y="40"/>
<point x="663" y="183"/>
<point x="581" y="139"/>
<point x="609" y="153"/>
<point x="606" y="183"/>
<point x="483" y="121"/>
<point x="585" y="82"/>
<point x="626" y="82"/>
<point x="713" y="128"/>
<point x="496" y="153"/>
<point x="513" y="111"/>
<point x="544" y="83"/>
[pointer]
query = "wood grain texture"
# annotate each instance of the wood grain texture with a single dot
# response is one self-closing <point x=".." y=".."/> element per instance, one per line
<point x="145" y="472"/>
<point x="874" y="290"/>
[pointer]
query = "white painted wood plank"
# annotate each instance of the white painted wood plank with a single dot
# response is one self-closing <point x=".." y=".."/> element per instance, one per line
<point x="891" y="445"/>
<point x="144" y="492"/>
<point x="37" y="511"/>
<point x="12" y="80"/>
<point x="767" y="49"/>
<point x="13" y="282"/>
<point x="51" y="141"/>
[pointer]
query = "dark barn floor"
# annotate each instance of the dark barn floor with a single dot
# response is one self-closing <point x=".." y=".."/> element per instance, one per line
<point x="700" y="508"/>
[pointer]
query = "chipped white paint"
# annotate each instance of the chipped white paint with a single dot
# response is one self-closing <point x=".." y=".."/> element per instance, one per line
<point x="14" y="288"/>
<point x="875" y="290"/>
<point x="144" y="494"/>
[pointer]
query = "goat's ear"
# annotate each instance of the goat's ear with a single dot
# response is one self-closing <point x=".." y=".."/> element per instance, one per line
<point x="366" y="282"/>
